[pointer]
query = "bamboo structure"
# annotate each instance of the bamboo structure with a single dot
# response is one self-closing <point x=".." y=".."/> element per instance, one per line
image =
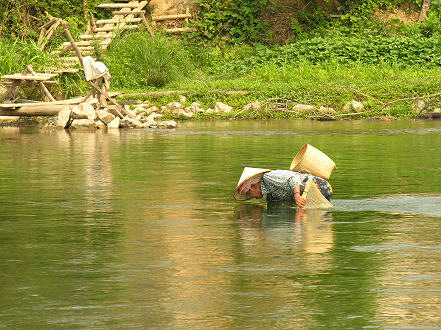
<point x="127" y="15"/>
<point x="100" y="33"/>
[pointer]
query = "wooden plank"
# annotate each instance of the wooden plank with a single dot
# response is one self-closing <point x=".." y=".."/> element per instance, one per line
<point x="116" y="28"/>
<point x="37" y="77"/>
<point x="96" y="36"/>
<point x="76" y="100"/>
<point x="170" y="17"/>
<point x="86" y="48"/>
<point x="36" y="110"/>
<point x="118" y="20"/>
<point x="67" y="70"/>
<point x="118" y="5"/>
<point x="47" y="82"/>
<point x="79" y="43"/>
<point x="177" y="30"/>
<point x="132" y="12"/>
<point x="69" y="59"/>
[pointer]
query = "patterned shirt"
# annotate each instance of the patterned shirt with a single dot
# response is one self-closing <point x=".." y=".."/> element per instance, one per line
<point x="279" y="184"/>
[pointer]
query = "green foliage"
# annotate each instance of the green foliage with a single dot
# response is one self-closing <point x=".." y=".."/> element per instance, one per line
<point x="16" y="54"/>
<point x="362" y="48"/>
<point x="21" y="18"/>
<point x="137" y="60"/>
<point x="232" y="21"/>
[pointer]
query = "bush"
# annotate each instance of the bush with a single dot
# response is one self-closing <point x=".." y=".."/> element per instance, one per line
<point x="232" y="21"/>
<point x="363" y="48"/>
<point x="137" y="60"/>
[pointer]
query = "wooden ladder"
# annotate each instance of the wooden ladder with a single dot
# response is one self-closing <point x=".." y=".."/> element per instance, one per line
<point x="100" y="33"/>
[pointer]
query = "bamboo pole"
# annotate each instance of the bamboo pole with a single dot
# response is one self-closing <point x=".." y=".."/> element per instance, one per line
<point x="49" y="34"/>
<point x="92" y="83"/>
<point x="147" y="25"/>
<point x="36" y="110"/>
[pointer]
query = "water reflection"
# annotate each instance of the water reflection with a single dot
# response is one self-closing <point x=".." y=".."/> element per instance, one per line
<point x="308" y="230"/>
<point x="135" y="229"/>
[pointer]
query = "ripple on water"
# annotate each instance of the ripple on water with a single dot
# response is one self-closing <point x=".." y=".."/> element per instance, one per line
<point x="413" y="204"/>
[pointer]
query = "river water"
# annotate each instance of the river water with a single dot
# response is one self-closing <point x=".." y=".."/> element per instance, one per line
<point x="138" y="229"/>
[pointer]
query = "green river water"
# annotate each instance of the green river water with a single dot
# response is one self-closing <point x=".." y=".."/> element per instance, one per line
<point x="138" y="229"/>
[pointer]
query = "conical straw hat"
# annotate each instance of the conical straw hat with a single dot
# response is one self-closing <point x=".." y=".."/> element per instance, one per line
<point x="311" y="160"/>
<point x="247" y="174"/>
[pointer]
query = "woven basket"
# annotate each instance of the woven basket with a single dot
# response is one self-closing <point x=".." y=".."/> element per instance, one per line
<point x="311" y="160"/>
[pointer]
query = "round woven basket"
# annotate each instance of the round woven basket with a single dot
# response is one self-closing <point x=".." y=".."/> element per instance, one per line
<point x="311" y="160"/>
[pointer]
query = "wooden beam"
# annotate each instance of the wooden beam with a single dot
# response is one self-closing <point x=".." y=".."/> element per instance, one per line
<point x="118" y="5"/>
<point x="132" y="12"/>
<point x="177" y="30"/>
<point x="116" y="28"/>
<point x="96" y="36"/>
<point x="45" y="26"/>
<point x="31" y="77"/>
<point x="147" y="25"/>
<point x="72" y="41"/>
<point x="170" y="17"/>
<point x="48" y="82"/>
<point x="49" y="33"/>
<point x="35" y="110"/>
<point x="118" y="20"/>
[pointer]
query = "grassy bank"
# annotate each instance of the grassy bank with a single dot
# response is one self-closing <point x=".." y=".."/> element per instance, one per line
<point x="383" y="73"/>
<point x="387" y="74"/>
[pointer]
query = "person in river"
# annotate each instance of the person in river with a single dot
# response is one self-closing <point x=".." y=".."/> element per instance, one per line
<point x="277" y="185"/>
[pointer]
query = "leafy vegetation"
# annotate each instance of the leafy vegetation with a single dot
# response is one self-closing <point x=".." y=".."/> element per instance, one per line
<point x="326" y="63"/>
<point x="21" y="18"/>
<point x="139" y="61"/>
<point x="230" y="21"/>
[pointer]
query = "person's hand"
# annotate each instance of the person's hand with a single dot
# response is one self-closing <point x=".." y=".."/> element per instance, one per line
<point x="300" y="201"/>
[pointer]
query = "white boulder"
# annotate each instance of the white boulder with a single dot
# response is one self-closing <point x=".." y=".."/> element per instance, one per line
<point x="222" y="108"/>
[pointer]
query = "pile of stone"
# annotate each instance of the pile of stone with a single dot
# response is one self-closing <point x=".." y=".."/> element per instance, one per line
<point x="179" y="109"/>
<point x="145" y="115"/>
<point x="86" y="115"/>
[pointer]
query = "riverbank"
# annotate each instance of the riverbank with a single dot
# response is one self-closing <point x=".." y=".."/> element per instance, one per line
<point x="317" y="77"/>
<point x="328" y="91"/>
<point x="397" y="77"/>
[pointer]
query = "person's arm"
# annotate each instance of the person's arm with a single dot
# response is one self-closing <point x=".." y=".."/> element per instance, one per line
<point x="300" y="201"/>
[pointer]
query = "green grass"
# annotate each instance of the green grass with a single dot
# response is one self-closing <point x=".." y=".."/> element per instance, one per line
<point x="16" y="55"/>
<point x="281" y="75"/>
<point x="330" y="85"/>
<point x="137" y="60"/>
<point x="139" y="63"/>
